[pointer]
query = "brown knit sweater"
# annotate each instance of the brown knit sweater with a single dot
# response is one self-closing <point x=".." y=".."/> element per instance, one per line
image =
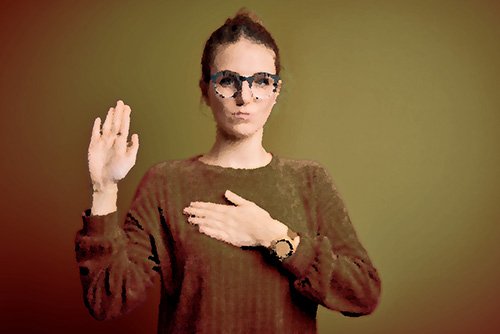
<point x="210" y="286"/>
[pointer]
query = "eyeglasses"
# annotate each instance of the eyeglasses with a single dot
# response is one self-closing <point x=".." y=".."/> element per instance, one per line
<point x="228" y="84"/>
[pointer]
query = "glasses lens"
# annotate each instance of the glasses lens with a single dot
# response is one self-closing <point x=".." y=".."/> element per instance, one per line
<point x="263" y="85"/>
<point x="227" y="84"/>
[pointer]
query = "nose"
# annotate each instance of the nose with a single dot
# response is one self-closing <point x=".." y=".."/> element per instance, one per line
<point x="244" y="95"/>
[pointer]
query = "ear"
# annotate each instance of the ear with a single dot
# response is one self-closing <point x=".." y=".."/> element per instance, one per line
<point x="204" y="90"/>
<point x="278" y="90"/>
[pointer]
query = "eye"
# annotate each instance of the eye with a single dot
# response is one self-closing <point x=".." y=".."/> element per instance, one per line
<point x="262" y="81"/>
<point x="226" y="81"/>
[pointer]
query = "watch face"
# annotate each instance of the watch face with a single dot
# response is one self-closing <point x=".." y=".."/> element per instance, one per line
<point x="283" y="247"/>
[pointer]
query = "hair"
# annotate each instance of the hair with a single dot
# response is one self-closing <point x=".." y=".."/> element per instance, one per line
<point x="245" y="24"/>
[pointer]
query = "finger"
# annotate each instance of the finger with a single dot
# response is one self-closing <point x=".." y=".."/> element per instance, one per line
<point x="117" y="117"/>
<point x="200" y="221"/>
<point x="238" y="200"/>
<point x="125" y="122"/>
<point x="96" y="131"/>
<point x="214" y="233"/>
<point x="132" y="149"/>
<point x="193" y="211"/>
<point x="210" y="206"/>
<point x="107" y="122"/>
<point x="206" y="221"/>
<point x="121" y="144"/>
<point x="224" y="236"/>
<point x="203" y="213"/>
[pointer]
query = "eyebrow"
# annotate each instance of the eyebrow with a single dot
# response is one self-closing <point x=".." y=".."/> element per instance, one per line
<point x="245" y="75"/>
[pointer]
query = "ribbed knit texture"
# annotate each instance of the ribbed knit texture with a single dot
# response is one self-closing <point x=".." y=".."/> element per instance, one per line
<point x="210" y="286"/>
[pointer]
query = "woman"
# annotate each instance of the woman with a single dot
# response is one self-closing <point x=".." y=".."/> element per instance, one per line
<point x="244" y="241"/>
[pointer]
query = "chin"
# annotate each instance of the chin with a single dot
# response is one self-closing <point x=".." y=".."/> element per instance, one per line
<point x="239" y="131"/>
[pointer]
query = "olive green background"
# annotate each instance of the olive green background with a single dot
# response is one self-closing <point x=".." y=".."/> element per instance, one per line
<point x="398" y="99"/>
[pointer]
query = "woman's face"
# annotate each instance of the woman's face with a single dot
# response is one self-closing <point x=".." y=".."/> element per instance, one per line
<point x="246" y="58"/>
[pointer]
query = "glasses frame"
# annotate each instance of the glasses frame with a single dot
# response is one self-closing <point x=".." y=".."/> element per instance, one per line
<point x="241" y="78"/>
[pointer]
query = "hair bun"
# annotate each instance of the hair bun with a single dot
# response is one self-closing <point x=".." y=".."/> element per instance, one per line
<point x="245" y="12"/>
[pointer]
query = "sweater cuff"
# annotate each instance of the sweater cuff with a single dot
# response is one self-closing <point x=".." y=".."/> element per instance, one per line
<point x="299" y="262"/>
<point x="99" y="224"/>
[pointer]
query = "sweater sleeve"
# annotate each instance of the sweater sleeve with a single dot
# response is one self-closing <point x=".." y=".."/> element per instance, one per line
<point x="118" y="262"/>
<point x="332" y="267"/>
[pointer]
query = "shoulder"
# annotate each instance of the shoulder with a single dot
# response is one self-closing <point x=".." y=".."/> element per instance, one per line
<point x="300" y="165"/>
<point x="313" y="170"/>
<point x="171" y="166"/>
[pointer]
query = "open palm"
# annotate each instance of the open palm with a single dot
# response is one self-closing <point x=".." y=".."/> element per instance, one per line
<point x="110" y="157"/>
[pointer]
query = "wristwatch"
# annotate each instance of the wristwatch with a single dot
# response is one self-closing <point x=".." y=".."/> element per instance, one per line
<point x="283" y="248"/>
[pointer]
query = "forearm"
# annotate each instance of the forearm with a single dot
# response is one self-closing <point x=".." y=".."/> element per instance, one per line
<point x="339" y="281"/>
<point x="331" y="266"/>
<point x="107" y="260"/>
<point x="355" y="286"/>
<point x="118" y="262"/>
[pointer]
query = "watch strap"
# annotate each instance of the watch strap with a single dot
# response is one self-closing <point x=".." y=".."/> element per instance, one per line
<point x="291" y="234"/>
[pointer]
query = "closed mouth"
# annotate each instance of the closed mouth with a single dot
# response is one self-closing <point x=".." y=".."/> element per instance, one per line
<point x="241" y="115"/>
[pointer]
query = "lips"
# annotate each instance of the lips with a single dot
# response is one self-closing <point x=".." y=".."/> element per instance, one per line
<point x="241" y="115"/>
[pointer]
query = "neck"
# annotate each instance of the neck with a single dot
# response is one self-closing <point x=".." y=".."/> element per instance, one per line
<point x="233" y="152"/>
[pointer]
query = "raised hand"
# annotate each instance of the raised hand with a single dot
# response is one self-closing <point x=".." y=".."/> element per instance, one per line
<point x="110" y="155"/>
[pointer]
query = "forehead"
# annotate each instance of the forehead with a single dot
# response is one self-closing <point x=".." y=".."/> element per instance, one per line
<point x="245" y="57"/>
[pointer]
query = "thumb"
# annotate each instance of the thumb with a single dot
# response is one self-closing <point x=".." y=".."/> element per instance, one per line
<point x="238" y="200"/>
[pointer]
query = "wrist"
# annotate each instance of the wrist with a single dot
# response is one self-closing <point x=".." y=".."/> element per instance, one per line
<point x="104" y="200"/>
<point x="284" y="243"/>
<point x="277" y="231"/>
<point x="97" y="187"/>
